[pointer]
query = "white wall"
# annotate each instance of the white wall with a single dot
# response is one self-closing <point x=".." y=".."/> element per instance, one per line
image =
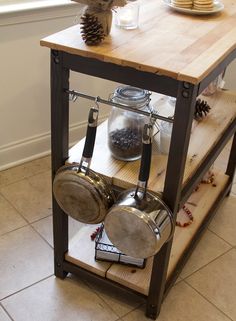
<point x="25" y="90"/>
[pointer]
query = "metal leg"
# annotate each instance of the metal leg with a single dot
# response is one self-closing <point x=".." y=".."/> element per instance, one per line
<point x="59" y="145"/>
<point x="173" y="183"/>
<point x="232" y="162"/>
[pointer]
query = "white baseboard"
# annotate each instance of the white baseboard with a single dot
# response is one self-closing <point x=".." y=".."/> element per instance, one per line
<point x="34" y="147"/>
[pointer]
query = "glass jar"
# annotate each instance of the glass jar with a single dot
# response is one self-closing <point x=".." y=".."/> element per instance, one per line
<point x="216" y="84"/>
<point x="127" y="17"/>
<point x="125" y="127"/>
<point x="166" y="127"/>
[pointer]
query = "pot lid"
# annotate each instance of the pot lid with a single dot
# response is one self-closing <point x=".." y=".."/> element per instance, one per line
<point x="131" y="232"/>
<point x="78" y="198"/>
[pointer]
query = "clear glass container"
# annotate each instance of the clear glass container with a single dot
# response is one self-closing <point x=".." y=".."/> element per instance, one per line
<point x="127" y="17"/>
<point x="166" y="127"/>
<point x="216" y="84"/>
<point x="125" y="127"/>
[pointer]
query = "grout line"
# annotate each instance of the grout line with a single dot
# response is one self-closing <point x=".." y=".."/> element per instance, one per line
<point x="19" y="213"/>
<point x="143" y="305"/>
<point x="101" y="297"/>
<point x="27" y="224"/>
<point x="5" y="310"/>
<point x="40" y="219"/>
<point x="15" y="229"/>
<point x="220" y="237"/>
<point x="134" y="309"/>
<point x="26" y="287"/>
<point x="24" y="178"/>
<point x="203" y="266"/>
<point x="87" y="283"/>
<point x="12" y="204"/>
<point x="208" y="300"/>
<point x="41" y="236"/>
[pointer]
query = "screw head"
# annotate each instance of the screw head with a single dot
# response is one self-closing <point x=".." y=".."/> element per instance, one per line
<point x="185" y="94"/>
<point x="56" y="60"/>
<point x="186" y="85"/>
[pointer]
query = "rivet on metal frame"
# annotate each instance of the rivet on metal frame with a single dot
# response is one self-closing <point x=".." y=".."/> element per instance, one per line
<point x="185" y="94"/>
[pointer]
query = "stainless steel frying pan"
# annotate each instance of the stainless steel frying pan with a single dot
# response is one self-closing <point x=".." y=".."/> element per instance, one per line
<point x="82" y="193"/>
<point x="139" y="223"/>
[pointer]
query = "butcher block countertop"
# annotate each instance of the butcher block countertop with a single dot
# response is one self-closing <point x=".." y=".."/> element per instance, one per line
<point x="183" y="47"/>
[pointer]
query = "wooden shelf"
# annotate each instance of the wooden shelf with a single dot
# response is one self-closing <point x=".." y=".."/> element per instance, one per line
<point x="204" y="136"/>
<point x="200" y="43"/>
<point x="81" y="252"/>
<point x="81" y="249"/>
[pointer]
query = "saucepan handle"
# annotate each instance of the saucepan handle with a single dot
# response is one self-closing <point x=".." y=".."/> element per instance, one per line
<point x="146" y="155"/>
<point x="90" y="135"/>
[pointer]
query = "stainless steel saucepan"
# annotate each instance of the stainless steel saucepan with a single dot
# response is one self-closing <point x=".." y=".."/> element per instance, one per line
<point x="82" y="193"/>
<point x="139" y="223"/>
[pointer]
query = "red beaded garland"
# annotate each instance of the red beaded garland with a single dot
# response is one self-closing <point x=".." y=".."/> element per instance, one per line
<point x="190" y="216"/>
<point x="94" y="234"/>
<point x="209" y="180"/>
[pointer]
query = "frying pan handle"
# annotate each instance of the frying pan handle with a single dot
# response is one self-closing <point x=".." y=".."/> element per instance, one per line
<point x="90" y="135"/>
<point x="146" y="155"/>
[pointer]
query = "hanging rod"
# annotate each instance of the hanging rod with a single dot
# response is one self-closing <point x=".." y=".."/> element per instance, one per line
<point x="154" y="114"/>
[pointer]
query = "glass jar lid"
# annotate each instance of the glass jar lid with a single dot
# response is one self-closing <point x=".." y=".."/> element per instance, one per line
<point x="131" y="96"/>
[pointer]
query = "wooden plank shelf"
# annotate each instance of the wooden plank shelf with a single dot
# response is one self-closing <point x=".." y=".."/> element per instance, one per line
<point x="81" y="252"/>
<point x="204" y="136"/>
<point x="200" y="43"/>
<point x="82" y="249"/>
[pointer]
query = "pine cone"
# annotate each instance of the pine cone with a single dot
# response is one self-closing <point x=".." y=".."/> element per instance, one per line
<point x="201" y="109"/>
<point x="91" y="30"/>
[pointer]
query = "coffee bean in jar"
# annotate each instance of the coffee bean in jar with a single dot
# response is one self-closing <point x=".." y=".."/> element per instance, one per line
<point x="124" y="126"/>
<point x="125" y="143"/>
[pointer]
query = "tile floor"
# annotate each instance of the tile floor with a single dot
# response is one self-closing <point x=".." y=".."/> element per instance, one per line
<point x="206" y="289"/>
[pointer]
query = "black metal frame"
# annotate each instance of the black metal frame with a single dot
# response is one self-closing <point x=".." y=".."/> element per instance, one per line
<point x="174" y="194"/>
